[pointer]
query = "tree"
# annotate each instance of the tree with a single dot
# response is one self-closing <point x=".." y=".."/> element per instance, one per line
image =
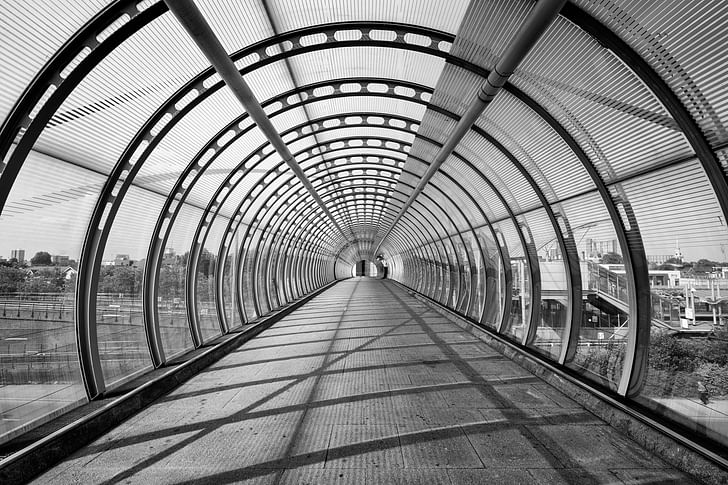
<point x="612" y="258"/>
<point x="672" y="264"/>
<point x="41" y="258"/>
<point x="120" y="279"/>
<point x="171" y="280"/>
<point x="705" y="266"/>
<point x="206" y="263"/>
<point x="44" y="284"/>
<point x="11" y="279"/>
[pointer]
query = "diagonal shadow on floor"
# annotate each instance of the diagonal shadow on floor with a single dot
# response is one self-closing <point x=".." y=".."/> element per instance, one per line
<point x="442" y="371"/>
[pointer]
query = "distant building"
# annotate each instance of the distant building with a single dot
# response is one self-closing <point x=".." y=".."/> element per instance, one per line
<point x="69" y="273"/>
<point x="18" y="254"/>
<point x="122" y="260"/>
<point x="60" y="260"/>
<point x="596" y="249"/>
<point x="667" y="278"/>
<point x="170" y="256"/>
<point x="658" y="258"/>
<point x="553" y="253"/>
<point x="678" y="254"/>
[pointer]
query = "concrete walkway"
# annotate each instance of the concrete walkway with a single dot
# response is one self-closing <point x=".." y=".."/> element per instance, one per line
<point x="364" y="385"/>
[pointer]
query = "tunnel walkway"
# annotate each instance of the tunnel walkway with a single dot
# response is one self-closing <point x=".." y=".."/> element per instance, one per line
<point x="364" y="384"/>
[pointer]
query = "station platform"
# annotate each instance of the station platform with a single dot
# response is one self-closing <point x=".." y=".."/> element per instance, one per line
<point x="364" y="384"/>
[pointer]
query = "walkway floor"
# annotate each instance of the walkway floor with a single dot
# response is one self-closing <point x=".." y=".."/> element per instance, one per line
<point x="364" y="385"/>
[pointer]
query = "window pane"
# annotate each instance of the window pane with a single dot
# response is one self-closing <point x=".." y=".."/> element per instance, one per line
<point x="40" y="371"/>
<point x="119" y="316"/>
<point x="605" y="300"/>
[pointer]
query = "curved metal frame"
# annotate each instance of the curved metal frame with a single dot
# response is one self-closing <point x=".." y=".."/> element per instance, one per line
<point x="256" y="217"/>
<point x="631" y="242"/>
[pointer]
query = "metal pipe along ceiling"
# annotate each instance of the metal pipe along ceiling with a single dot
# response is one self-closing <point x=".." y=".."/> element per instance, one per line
<point x="538" y="20"/>
<point x="197" y="27"/>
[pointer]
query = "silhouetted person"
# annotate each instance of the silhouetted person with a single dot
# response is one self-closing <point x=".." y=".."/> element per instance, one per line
<point x="703" y="392"/>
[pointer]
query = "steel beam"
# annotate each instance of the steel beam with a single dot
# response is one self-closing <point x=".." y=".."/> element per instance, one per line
<point x="197" y="27"/>
<point x="538" y="20"/>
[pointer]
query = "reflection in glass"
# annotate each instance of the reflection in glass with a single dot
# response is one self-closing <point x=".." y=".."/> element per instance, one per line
<point x="554" y="288"/>
<point x="520" y="280"/>
<point x="119" y="314"/>
<point x="686" y="253"/>
<point x="42" y="226"/>
<point x="604" y="328"/>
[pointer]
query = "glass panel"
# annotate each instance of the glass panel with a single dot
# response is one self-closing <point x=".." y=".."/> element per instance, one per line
<point x="605" y="300"/>
<point x="264" y="300"/>
<point x="466" y="272"/>
<point x="119" y="317"/>
<point x="248" y="275"/>
<point x="229" y="286"/>
<point x="172" y="301"/>
<point x="554" y="295"/>
<point x="491" y="281"/>
<point x="206" y="269"/>
<point x="425" y="268"/>
<point x="521" y="282"/>
<point x="685" y="235"/>
<point x="40" y="373"/>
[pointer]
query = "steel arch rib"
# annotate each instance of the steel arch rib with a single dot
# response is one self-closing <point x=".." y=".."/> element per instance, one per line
<point x="2" y="197"/>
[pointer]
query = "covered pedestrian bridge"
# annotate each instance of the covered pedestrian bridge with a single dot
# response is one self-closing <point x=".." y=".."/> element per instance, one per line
<point x="541" y="180"/>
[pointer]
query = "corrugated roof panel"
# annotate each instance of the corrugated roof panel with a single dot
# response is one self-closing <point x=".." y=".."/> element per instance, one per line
<point x="461" y="200"/>
<point x="269" y="81"/>
<point x="186" y="139"/>
<point x="239" y="150"/>
<point x="99" y="118"/>
<point x="499" y="170"/>
<point x="455" y="91"/>
<point x="593" y="230"/>
<point x="243" y="187"/>
<point x="227" y="18"/>
<point x="366" y="103"/>
<point x="510" y="238"/>
<point x="620" y="123"/>
<point x="291" y="14"/>
<point x="288" y="119"/>
<point x="377" y="62"/>
<point x="537" y="147"/>
<point x="435" y="125"/>
<point x="206" y="186"/>
<point x="30" y="36"/>
<point x="686" y="46"/>
<point x="671" y="212"/>
<point x="475" y="185"/>
<point x="488" y="28"/>
<point x="444" y="200"/>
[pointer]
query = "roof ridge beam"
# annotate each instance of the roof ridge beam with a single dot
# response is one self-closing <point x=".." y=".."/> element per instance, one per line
<point x="538" y="20"/>
<point x="190" y="17"/>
